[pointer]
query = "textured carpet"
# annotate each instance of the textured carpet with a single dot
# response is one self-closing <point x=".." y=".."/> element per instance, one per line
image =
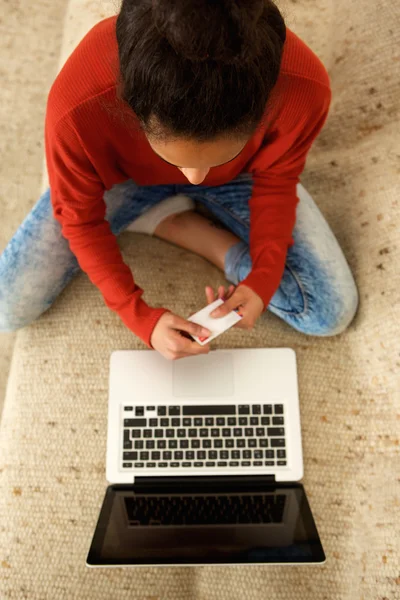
<point x="53" y="431"/>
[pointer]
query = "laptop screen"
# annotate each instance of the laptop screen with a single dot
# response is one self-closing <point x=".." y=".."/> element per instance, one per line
<point x="182" y="527"/>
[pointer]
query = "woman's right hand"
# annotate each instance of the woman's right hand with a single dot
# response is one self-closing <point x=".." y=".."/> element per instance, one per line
<point x="168" y="341"/>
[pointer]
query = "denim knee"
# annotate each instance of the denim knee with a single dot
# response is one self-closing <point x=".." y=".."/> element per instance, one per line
<point x="331" y="319"/>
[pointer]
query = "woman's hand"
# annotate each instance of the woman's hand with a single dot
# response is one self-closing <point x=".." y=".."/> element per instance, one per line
<point x="170" y="338"/>
<point x="248" y="302"/>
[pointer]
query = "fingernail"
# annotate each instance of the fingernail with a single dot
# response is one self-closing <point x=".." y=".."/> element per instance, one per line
<point x="205" y="333"/>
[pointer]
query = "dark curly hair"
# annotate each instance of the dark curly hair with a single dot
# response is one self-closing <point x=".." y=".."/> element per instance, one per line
<point x="199" y="69"/>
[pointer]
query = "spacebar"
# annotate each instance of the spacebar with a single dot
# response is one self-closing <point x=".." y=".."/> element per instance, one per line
<point x="212" y="409"/>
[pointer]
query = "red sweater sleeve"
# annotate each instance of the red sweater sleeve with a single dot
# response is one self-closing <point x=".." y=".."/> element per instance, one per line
<point x="78" y="205"/>
<point x="274" y="200"/>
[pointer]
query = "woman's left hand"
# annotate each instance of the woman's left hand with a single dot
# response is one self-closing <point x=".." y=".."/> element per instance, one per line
<point x="248" y="302"/>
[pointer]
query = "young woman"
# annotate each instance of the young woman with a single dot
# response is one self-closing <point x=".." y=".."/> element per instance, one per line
<point x="169" y="107"/>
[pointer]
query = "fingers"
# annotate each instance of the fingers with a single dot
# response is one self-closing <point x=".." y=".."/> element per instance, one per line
<point x="235" y="300"/>
<point x="222" y="293"/>
<point x="181" y="324"/>
<point x="179" y="347"/>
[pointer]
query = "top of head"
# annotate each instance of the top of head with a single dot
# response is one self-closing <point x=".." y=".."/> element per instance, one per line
<point x="221" y="30"/>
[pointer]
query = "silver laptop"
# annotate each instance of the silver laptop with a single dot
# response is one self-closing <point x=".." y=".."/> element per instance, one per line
<point x="204" y="457"/>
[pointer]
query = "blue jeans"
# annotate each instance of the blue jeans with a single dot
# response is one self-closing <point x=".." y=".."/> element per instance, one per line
<point x="317" y="293"/>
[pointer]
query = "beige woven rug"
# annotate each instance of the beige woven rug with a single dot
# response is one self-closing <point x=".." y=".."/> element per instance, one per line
<point x="53" y="431"/>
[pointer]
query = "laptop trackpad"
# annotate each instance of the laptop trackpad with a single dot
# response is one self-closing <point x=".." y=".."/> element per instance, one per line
<point x="203" y="375"/>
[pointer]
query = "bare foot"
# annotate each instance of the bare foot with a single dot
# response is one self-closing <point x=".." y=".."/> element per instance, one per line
<point x="198" y="234"/>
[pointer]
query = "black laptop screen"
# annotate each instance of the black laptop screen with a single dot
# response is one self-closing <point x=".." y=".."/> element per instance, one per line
<point x="181" y="527"/>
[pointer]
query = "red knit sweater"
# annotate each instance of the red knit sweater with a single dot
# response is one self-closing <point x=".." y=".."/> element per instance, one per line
<point x="92" y="143"/>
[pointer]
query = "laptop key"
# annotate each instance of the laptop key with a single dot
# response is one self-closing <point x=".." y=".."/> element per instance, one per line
<point x="278" y="409"/>
<point x="258" y="454"/>
<point x="277" y="421"/>
<point x="174" y="464"/>
<point x="254" y="421"/>
<point x="144" y="455"/>
<point x="127" y="465"/>
<point x="155" y="455"/>
<point x="217" y="443"/>
<point x="244" y="409"/>
<point x="198" y="464"/>
<point x="178" y="455"/>
<point x="276" y="431"/>
<point x="234" y="463"/>
<point x="169" y="433"/>
<point x="187" y="422"/>
<point x="240" y="443"/>
<point x="260" y="431"/>
<point x="249" y="431"/>
<point x="265" y="420"/>
<point x="203" y="432"/>
<point x="270" y="454"/>
<point x="195" y="443"/>
<point x="175" y="422"/>
<point x="223" y="454"/>
<point x="269" y="463"/>
<point x="161" y="411"/>
<point x="243" y="421"/>
<point x="139" y="465"/>
<point x="238" y="432"/>
<point x="130" y="455"/>
<point x="147" y="433"/>
<point x="281" y="453"/>
<point x="128" y="408"/>
<point x="222" y="464"/>
<point x="150" y="408"/>
<point x="136" y="433"/>
<point x="226" y="432"/>
<point x="128" y="445"/>
<point x="161" y="444"/>
<point x="181" y="433"/>
<point x="277" y="443"/>
<point x="201" y="455"/>
<point x="139" y="412"/>
<point x="210" y="421"/>
<point x="246" y="463"/>
<point x="127" y="435"/>
<point x="229" y="443"/>
<point x="235" y="453"/>
<point x="267" y="409"/>
<point x="150" y="464"/>
<point x="164" y="422"/>
<point x="214" y="432"/>
<point x="257" y="463"/>
<point x="198" y="422"/>
<point x="186" y="464"/>
<point x="220" y="421"/>
<point x="150" y="444"/>
<point x="210" y="464"/>
<point x="189" y="455"/>
<point x="158" y="433"/>
<point x="174" y="411"/>
<point x="192" y="433"/>
<point x="172" y="444"/>
<point x="263" y="443"/>
<point x="139" y="444"/>
<point x="212" y="454"/>
<point x="183" y="444"/>
<point x="163" y="465"/>
<point x="167" y="455"/>
<point x="256" y="409"/>
<point x="251" y="443"/>
<point x="206" y="443"/>
<point x="246" y="453"/>
<point x="231" y="421"/>
<point x="281" y="463"/>
<point x="153" y="422"/>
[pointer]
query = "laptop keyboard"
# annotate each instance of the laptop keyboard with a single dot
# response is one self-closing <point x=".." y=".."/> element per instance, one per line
<point x="205" y="510"/>
<point x="213" y="436"/>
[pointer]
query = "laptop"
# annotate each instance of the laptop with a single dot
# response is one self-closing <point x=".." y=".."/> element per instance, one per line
<point x="204" y="459"/>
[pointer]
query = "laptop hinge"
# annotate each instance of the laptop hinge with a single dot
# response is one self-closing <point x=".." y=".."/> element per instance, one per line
<point x="203" y="483"/>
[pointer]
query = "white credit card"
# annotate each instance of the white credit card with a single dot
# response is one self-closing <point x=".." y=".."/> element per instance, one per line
<point x="216" y="326"/>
